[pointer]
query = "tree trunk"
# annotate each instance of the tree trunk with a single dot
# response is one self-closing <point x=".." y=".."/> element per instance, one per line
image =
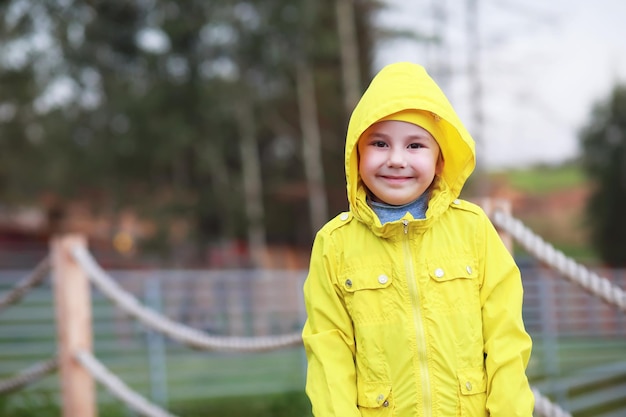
<point x="346" y="29"/>
<point x="221" y="186"/>
<point x="253" y="187"/>
<point x="311" y="146"/>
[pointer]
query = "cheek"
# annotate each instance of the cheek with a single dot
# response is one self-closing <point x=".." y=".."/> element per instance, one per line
<point x="365" y="162"/>
<point x="365" y="175"/>
<point x="362" y="170"/>
<point x="439" y="164"/>
<point x="439" y="167"/>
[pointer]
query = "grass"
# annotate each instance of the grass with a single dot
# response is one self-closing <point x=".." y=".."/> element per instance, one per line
<point x="543" y="179"/>
<point x="46" y="404"/>
<point x="198" y="383"/>
<point x="288" y="404"/>
<point x="215" y="384"/>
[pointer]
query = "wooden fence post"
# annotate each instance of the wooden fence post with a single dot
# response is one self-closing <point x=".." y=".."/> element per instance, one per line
<point x="73" y="317"/>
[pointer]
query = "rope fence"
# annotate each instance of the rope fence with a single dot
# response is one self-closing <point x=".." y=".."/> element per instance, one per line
<point x="29" y="376"/>
<point x="192" y="337"/>
<point x="174" y="330"/>
<point x="37" y="371"/>
<point x="27" y="283"/>
<point x="575" y="272"/>
<point x="87" y="268"/>
<point x="118" y="388"/>
<point x="545" y="408"/>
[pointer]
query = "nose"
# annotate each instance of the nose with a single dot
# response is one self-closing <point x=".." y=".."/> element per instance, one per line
<point x="396" y="159"/>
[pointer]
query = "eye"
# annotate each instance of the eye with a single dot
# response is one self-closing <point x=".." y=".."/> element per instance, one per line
<point x="415" y="146"/>
<point x="379" y="144"/>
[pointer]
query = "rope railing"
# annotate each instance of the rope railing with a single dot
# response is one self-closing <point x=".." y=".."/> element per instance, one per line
<point x="29" y="375"/>
<point x="177" y="331"/>
<point x="118" y="388"/>
<point x="19" y="290"/>
<point x="197" y="339"/>
<point x="37" y="371"/>
<point x="545" y="408"/>
<point x="575" y="272"/>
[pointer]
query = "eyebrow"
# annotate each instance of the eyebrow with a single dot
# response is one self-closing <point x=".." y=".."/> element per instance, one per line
<point x="425" y="135"/>
<point x="377" y="135"/>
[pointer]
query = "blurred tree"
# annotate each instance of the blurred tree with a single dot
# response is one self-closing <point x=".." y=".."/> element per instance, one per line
<point x="349" y="48"/>
<point x="604" y="157"/>
<point x="21" y="135"/>
<point x="309" y="121"/>
<point x="16" y="86"/>
<point x="193" y="110"/>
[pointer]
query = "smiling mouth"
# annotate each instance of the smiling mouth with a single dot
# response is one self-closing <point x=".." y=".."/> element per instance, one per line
<point x="392" y="178"/>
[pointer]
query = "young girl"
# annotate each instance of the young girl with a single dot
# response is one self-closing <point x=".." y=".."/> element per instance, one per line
<point x="414" y="304"/>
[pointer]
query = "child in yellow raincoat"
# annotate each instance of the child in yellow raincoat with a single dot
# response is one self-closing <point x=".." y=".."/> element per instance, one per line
<point x="414" y="304"/>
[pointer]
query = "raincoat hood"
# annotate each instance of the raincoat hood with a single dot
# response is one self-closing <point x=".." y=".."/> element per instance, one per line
<point x="407" y="86"/>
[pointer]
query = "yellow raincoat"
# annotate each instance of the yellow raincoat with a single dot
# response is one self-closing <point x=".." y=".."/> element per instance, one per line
<point x="414" y="317"/>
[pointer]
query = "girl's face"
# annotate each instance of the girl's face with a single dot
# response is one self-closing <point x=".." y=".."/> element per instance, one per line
<point x="397" y="161"/>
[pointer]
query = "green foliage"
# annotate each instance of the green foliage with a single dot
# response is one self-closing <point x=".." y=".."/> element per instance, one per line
<point x="604" y="143"/>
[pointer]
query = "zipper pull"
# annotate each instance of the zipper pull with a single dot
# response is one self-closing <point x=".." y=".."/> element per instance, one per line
<point x="406" y="226"/>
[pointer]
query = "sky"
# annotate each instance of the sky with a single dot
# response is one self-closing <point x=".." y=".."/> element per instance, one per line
<point x="542" y="67"/>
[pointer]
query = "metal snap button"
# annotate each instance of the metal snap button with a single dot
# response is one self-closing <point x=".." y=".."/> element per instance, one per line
<point x="348" y="283"/>
<point x="383" y="279"/>
<point x="439" y="273"/>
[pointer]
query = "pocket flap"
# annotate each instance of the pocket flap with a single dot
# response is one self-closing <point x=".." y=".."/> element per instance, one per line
<point x="472" y="380"/>
<point x="366" y="279"/>
<point x="373" y="395"/>
<point x="448" y="269"/>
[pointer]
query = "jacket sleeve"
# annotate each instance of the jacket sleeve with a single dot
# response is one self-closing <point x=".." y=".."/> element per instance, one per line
<point x="328" y="338"/>
<point x="507" y="344"/>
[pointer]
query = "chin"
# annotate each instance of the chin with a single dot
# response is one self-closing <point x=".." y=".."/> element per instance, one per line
<point x="399" y="202"/>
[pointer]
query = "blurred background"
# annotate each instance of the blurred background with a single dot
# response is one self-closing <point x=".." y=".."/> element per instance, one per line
<point x="210" y="133"/>
<point x="207" y="135"/>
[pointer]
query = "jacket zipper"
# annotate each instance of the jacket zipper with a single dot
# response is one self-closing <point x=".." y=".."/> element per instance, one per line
<point x="418" y="323"/>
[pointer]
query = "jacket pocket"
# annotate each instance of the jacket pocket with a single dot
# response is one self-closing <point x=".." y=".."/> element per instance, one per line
<point x="375" y="399"/>
<point x="454" y="286"/>
<point x="442" y="270"/>
<point x="368" y="293"/>
<point x="472" y="391"/>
